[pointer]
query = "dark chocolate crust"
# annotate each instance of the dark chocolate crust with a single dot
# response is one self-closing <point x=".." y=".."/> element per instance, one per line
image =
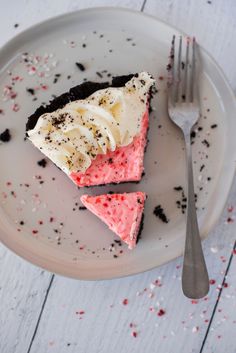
<point x="140" y="228"/>
<point x="81" y="91"/>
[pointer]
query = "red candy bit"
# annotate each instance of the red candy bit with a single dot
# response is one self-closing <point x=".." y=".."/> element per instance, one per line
<point x="17" y="78"/>
<point x="105" y="204"/>
<point x="161" y="78"/>
<point x="125" y="302"/>
<point x="161" y="312"/>
<point x="230" y="220"/>
<point x="81" y="312"/>
<point x="135" y="334"/>
<point x="44" y="87"/>
<point x="8" y="183"/>
<point x="32" y="69"/>
<point x="225" y="285"/>
<point x="40" y="222"/>
<point x="1" y="111"/>
<point x="15" y="107"/>
<point x="13" y="95"/>
<point x="234" y="252"/>
<point x="35" y="231"/>
<point x="212" y="281"/>
<point x="51" y="219"/>
<point x="82" y="247"/>
<point x="194" y="301"/>
<point x="230" y="208"/>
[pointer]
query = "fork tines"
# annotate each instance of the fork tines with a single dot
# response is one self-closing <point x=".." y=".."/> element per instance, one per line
<point x="181" y="80"/>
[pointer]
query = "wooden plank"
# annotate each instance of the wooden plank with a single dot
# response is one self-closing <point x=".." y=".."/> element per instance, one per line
<point x="105" y="323"/>
<point x="221" y="337"/>
<point x="22" y="291"/>
<point x="212" y="22"/>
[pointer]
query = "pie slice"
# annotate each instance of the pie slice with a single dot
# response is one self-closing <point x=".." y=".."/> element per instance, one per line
<point x="123" y="213"/>
<point x="96" y="133"/>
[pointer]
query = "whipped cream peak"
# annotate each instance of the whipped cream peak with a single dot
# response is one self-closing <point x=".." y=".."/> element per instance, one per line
<point x="109" y="118"/>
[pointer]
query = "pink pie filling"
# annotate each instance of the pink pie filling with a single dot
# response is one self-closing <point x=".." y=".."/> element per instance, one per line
<point x="122" y="165"/>
<point x="121" y="212"/>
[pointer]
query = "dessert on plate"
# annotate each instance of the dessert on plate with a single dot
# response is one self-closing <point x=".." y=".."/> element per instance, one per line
<point x="123" y="213"/>
<point x="96" y="133"/>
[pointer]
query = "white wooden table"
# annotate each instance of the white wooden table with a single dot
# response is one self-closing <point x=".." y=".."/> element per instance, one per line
<point x="40" y="312"/>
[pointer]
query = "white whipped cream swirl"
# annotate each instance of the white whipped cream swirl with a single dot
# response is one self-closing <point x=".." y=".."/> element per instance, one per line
<point x="74" y="135"/>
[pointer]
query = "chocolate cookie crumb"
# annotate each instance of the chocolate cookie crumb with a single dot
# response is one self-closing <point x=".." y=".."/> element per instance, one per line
<point x="5" y="136"/>
<point x="42" y="163"/>
<point x="202" y="167"/>
<point x="206" y="143"/>
<point x="82" y="208"/>
<point x="99" y="74"/>
<point x="159" y="212"/>
<point x="178" y="188"/>
<point x="214" y="126"/>
<point x="80" y="66"/>
<point x="31" y="91"/>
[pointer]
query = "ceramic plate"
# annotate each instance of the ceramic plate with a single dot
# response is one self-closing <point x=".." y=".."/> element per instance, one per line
<point x="40" y="215"/>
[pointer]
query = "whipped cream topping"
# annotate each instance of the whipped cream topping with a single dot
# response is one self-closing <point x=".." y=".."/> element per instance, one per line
<point x="109" y="118"/>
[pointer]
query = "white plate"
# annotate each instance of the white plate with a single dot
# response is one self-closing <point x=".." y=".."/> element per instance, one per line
<point x="55" y="246"/>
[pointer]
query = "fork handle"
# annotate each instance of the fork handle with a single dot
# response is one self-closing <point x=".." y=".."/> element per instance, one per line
<point x="195" y="280"/>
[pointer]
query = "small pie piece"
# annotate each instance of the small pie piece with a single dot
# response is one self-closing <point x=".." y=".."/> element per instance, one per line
<point x="123" y="213"/>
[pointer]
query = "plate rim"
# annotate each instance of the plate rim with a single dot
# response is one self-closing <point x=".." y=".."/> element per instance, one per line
<point x="52" y="266"/>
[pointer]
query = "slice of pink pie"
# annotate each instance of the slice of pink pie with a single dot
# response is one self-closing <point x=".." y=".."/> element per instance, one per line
<point x="96" y="133"/>
<point x="123" y="213"/>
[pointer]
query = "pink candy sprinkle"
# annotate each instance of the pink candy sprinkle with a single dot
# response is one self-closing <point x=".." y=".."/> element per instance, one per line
<point x="194" y="301"/>
<point x="44" y="87"/>
<point x="195" y="329"/>
<point x="212" y="281"/>
<point x="125" y="302"/>
<point x="15" y="107"/>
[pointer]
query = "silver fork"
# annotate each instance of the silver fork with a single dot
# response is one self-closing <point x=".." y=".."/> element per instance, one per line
<point x="184" y="110"/>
